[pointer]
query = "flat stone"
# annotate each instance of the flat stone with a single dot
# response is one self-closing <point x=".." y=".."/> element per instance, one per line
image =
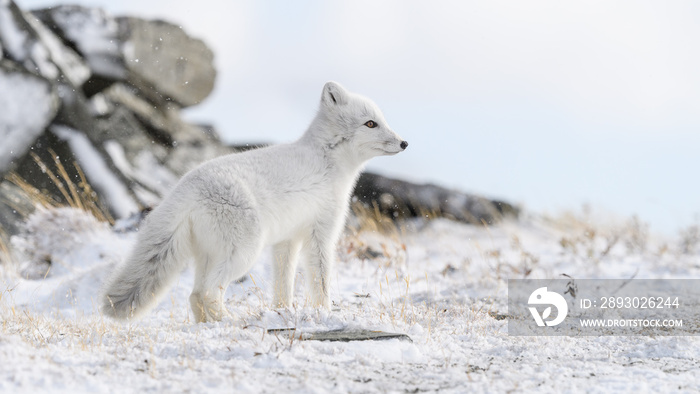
<point x="341" y="335"/>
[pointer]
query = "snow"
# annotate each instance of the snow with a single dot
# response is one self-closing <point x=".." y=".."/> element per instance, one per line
<point x="97" y="172"/>
<point x="28" y="104"/>
<point x="437" y="281"/>
<point x="24" y="48"/>
<point x="94" y="33"/>
<point x="152" y="180"/>
<point x="42" y="52"/>
<point x="147" y="172"/>
<point x="72" y="67"/>
<point x="11" y="36"/>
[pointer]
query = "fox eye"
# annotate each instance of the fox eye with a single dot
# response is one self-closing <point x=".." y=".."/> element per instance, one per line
<point x="371" y="124"/>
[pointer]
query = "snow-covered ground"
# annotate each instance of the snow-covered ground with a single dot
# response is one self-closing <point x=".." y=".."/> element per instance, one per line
<point x="442" y="283"/>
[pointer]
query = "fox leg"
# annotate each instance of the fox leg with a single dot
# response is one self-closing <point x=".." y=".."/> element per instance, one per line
<point x="204" y="303"/>
<point x="227" y="241"/>
<point x="219" y="261"/>
<point x="320" y="250"/>
<point x="284" y="265"/>
<point x="212" y="278"/>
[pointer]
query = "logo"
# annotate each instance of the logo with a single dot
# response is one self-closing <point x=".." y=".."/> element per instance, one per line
<point x="543" y="297"/>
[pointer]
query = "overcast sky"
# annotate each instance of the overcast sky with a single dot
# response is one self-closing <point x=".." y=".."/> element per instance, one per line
<point x="550" y="104"/>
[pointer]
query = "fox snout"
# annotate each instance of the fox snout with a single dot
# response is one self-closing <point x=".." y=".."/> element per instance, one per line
<point x="396" y="145"/>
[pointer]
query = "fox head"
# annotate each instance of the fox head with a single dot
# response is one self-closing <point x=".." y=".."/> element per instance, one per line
<point x="354" y="125"/>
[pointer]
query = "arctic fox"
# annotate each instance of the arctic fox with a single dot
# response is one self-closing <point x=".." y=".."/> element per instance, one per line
<point x="294" y="197"/>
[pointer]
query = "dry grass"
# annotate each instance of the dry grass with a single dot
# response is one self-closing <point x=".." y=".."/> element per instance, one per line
<point x="690" y="239"/>
<point x="388" y="251"/>
<point x="78" y="195"/>
<point x="371" y="219"/>
<point x="5" y="255"/>
<point x="586" y="242"/>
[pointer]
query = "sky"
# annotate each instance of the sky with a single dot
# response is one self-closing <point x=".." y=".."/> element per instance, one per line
<point x="548" y="104"/>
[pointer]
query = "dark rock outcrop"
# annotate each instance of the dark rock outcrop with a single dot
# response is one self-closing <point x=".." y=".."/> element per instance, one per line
<point x="401" y="199"/>
<point x="78" y="86"/>
<point x="90" y="105"/>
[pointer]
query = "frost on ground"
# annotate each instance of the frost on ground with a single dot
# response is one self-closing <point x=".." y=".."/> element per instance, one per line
<point x="442" y="283"/>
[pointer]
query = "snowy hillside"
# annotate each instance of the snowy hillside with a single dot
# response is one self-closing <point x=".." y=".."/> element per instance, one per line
<point x="442" y="283"/>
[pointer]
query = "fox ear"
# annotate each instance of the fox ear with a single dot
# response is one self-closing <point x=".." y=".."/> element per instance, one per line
<point x="334" y="94"/>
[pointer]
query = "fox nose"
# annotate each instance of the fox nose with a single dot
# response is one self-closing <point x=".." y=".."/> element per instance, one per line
<point x="404" y="145"/>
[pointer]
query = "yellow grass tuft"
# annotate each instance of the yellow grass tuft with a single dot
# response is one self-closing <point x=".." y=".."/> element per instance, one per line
<point x="80" y="196"/>
<point x="5" y="255"/>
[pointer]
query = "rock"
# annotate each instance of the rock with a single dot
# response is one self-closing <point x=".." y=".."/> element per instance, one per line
<point x="157" y="57"/>
<point x="341" y="335"/>
<point x="400" y="199"/>
<point x="102" y="174"/>
<point x="87" y="95"/>
<point x="29" y="43"/>
<point x="92" y="33"/>
<point x="171" y="63"/>
<point x="185" y="145"/>
<point x="28" y="103"/>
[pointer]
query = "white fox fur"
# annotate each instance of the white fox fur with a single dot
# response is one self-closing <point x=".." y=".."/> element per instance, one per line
<point x="294" y="197"/>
